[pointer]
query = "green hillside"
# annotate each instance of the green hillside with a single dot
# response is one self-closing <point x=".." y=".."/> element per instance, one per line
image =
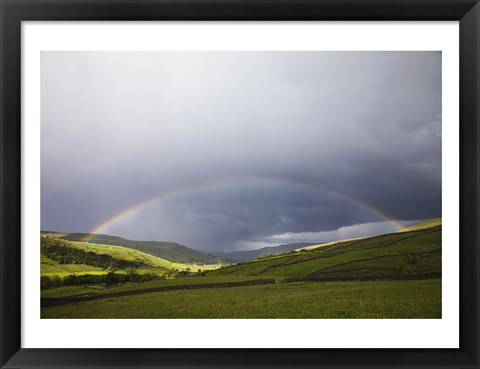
<point x="397" y="255"/>
<point x="165" y="250"/>
<point x="317" y="245"/>
<point x="111" y="257"/>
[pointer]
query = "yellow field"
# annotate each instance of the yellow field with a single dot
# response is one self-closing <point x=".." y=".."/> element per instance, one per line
<point x="63" y="270"/>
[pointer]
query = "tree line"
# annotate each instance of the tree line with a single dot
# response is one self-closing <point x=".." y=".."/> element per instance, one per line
<point x="69" y="255"/>
<point x="109" y="279"/>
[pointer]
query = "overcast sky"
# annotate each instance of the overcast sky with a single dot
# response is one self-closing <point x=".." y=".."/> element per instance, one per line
<point x="253" y="143"/>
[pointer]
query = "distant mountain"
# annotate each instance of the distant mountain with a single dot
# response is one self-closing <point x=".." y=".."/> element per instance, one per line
<point x="239" y="256"/>
<point x="167" y="250"/>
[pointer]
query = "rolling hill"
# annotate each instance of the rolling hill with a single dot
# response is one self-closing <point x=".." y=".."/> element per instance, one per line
<point x="165" y="250"/>
<point x="415" y="252"/>
<point x="61" y="257"/>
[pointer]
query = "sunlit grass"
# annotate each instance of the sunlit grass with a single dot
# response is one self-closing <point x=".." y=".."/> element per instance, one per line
<point x="63" y="270"/>
<point x="425" y="224"/>
<point x="101" y="289"/>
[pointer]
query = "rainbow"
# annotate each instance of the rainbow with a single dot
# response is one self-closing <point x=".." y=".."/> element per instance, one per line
<point x="219" y="184"/>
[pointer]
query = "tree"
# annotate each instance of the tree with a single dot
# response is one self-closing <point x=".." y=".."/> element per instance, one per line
<point x="146" y="278"/>
<point x="45" y="282"/>
<point x="111" y="279"/>
<point x="70" y="280"/>
<point x="56" y="281"/>
<point x="131" y="271"/>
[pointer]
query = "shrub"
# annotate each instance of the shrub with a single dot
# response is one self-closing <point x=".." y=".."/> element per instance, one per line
<point x="45" y="282"/>
<point x="111" y="279"/>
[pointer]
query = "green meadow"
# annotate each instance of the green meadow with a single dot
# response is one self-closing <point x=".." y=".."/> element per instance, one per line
<point x="100" y="289"/>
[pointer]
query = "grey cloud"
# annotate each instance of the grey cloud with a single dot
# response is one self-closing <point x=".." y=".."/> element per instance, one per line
<point x="342" y="233"/>
<point x="121" y="127"/>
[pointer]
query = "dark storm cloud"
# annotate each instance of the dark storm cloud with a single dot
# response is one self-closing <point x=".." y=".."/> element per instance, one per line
<point x="119" y="128"/>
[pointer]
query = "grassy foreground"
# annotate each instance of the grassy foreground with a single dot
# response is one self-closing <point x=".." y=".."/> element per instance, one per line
<point x="354" y="299"/>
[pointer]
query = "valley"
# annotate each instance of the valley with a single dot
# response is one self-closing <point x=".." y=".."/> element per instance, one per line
<point x="396" y="275"/>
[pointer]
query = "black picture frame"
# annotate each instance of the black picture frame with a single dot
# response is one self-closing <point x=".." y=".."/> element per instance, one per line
<point x="13" y="12"/>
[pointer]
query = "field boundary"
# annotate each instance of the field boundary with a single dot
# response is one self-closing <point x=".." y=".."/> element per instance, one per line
<point x="320" y="271"/>
<point x="54" y="301"/>
<point x="405" y="277"/>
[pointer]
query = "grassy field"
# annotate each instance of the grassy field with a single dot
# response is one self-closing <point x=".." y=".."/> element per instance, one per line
<point x="102" y="289"/>
<point x="379" y="299"/>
